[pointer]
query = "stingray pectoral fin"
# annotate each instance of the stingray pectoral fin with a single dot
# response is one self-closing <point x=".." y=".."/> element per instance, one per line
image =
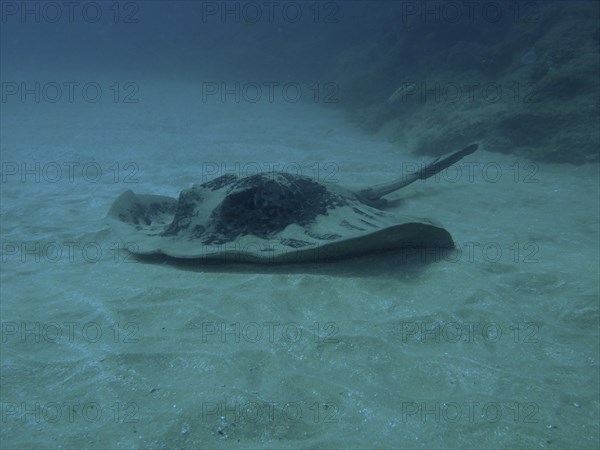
<point x="130" y="207"/>
<point x="437" y="165"/>
<point x="147" y="213"/>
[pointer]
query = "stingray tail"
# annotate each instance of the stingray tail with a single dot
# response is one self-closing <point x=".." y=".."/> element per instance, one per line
<point x="436" y="166"/>
<point x="439" y="164"/>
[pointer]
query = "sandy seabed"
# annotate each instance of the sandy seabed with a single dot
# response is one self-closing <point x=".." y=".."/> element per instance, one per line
<point x="494" y="347"/>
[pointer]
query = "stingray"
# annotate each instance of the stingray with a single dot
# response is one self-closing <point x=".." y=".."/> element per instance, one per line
<point x="275" y="217"/>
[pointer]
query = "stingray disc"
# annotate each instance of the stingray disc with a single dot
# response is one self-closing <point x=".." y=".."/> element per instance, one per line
<point x="266" y="218"/>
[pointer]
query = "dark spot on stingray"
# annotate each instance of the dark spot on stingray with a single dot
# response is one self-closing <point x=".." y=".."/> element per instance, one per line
<point x="220" y="182"/>
<point x="323" y="237"/>
<point x="362" y="213"/>
<point x="198" y="231"/>
<point x="265" y="206"/>
<point x="348" y="225"/>
<point x="369" y="223"/>
<point x="294" y="243"/>
<point x="188" y="200"/>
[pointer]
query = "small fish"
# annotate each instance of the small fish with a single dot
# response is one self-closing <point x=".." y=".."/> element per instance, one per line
<point x="402" y="91"/>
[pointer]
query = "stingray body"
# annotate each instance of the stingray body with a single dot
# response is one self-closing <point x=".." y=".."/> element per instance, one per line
<point x="274" y="218"/>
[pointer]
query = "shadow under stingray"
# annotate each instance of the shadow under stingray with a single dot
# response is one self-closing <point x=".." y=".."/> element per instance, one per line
<point x="405" y="263"/>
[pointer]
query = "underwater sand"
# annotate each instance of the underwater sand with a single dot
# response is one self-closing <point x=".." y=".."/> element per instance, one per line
<point x="496" y="347"/>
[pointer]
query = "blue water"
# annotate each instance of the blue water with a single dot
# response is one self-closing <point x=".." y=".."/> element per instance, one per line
<point x="493" y="346"/>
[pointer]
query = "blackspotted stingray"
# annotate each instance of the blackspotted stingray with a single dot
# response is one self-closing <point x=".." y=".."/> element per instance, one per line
<point x="274" y="218"/>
